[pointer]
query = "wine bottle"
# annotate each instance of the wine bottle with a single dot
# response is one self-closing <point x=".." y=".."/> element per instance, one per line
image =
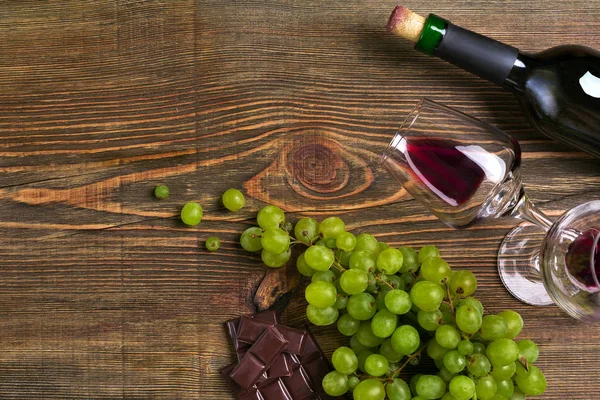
<point x="558" y="89"/>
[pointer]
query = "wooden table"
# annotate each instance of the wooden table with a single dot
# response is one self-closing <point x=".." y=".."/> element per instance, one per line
<point x="105" y="294"/>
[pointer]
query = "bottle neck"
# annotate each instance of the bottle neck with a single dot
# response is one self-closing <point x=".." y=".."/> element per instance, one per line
<point x="475" y="53"/>
<point x="519" y="73"/>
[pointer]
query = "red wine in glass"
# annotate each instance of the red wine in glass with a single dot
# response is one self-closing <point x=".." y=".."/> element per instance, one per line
<point x="583" y="260"/>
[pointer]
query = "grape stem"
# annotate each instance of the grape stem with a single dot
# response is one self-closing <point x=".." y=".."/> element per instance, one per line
<point x="338" y="266"/>
<point x="412" y="356"/>
<point x="378" y="279"/>
<point x="449" y="297"/>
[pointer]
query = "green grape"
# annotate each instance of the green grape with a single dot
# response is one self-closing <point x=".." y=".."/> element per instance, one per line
<point x="427" y="295"/>
<point x="413" y="383"/>
<point x="233" y="199"/>
<point x="430" y="387"/>
<point x="212" y="243"/>
<point x="427" y="251"/>
<point x="447" y="336"/>
<point x="321" y="316"/>
<point x="463" y="283"/>
<point x="465" y="347"/>
<point x="191" y="213"/>
<point x="435" y="269"/>
<point x="478" y="348"/>
<point x="303" y="267"/>
<point x="410" y="261"/>
<point x="533" y="382"/>
<point x="405" y="340"/>
<point x="270" y="217"/>
<point x="362" y="260"/>
<point x="345" y="259"/>
<point x="330" y="243"/>
<point x="396" y="282"/>
<point x="161" y="192"/>
<point x="347" y="325"/>
<point x="398" y="301"/>
<point x="473" y="302"/>
<point x="354" y="281"/>
<point x="435" y="351"/>
<point x="320" y="242"/>
<point x="468" y="319"/>
<point x="357" y="347"/>
<point x="380" y="299"/>
<point x="376" y="365"/>
<point x="448" y="396"/>
<point x="388" y="352"/>
<point x="447" y="314"/>
<point x="352" y="382"/>
<point x="362" y="357"/>
<point x="445" y="374"/>
<point x="368" y="243"/>
<point x="454" y="361"/>
<point x="389" y="261"/>
<point x="408" y="279"/>
<point x="505" y="387"/>
<point x="485" y="388"/>
<point x="344" y="360"/>
<point x="335" y="383"/>
<point x="288" y="227"/>
<point x="502" y="351"/>
<point x="502" y="372"/>
<point x="346" y="241"/>
<point x="275" y="260"/>
<point x="429" y="320"/>
<point x="326" y="276"/>
<point x="529" y="349"/>
<point x="320" y="294"/>
<point x="384" y="323"/>
<point x="275" y="240"/>
<point x="381" y="246"/>
<point x="478" y="364"/>
<point x="462" y="387"/>
<point x="366" y="337"/>
<point x="398" y="390"/>
<point x="517" y="395"/>
<point x="493" y="327"/>
<point x="306" y="230"/>
<point x="499" y="397"/>
<point x="514" y="321"/>
<point x="341" y="301"/>
<point x="361" y="306"/>
<point x="439" y="363"/>
<point x="319" y="258"/>
<point x="331" y="227"/>
<point x="250" y="239"/>
<point x="369" y="389"/>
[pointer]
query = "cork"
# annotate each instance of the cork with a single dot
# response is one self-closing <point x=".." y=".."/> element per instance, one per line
<point x="406" y="24"/>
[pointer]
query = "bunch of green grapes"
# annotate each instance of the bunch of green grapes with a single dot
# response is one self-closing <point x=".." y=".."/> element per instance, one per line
<point x="398" y="305"/>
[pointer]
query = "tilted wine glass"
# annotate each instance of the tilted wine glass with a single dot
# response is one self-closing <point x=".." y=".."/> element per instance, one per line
<point x="464" y="170"/>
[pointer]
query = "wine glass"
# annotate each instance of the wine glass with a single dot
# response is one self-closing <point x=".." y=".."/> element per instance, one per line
<point x="464" y="170"/>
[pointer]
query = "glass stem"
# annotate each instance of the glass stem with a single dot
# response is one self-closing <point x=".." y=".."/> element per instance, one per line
<point x="525" y="210"/>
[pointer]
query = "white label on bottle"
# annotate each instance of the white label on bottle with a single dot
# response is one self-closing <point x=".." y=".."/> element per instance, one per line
<point x="590" y="85"/>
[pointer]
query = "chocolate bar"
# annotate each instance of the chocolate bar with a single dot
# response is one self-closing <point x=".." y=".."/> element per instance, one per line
<point x="233" y="326"/>
<point x="259" y="358"/>
<point x="250" y="329"/>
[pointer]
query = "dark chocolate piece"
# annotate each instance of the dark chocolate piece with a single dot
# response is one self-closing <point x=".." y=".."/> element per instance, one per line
<point x="249" y="330"/>
<point x="299" y="385"/>
<point x="239" y="393"/>
<point x="233" y="326"/>
<point x="259" y="358"/>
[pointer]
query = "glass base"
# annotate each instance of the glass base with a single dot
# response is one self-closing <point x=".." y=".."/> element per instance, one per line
<point x="518" y="264"/>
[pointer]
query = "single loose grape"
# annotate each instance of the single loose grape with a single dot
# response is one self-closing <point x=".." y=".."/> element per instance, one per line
<point x="427" y="295"/>
<point x="502" y="372"/>
<point x="384" y="323"/>
<point x="319" y="258"/>
<point x="233" y="199"/>
<point x="410" y="260"/>
<point x="405" y="340"/>
<point x="447" y="336"/>
<point x="468" y="319"/>
<point x="435" y="269"/>
<point x="454" y="361"/>
<point x="388" y="352"/>
<point x="514" y="321"/>
<point x="362" y="306"/>
<point x="347" y="325"/>
<point x="270" y="217"/>
<point x="366" y="337"/>
<point x="465" y="347"/>
<point x="376" y="365"/>
<point x="335" y="383"/>
<point x="529" y="349"/>
<point x="369" y="389"/>
<point x="191" y="213"/>
<point x="430" y="320"/>
<point x="389" y="261"/>
<point x="368" y="243"/>
<point x="161" y="192"/>
<point x="275" y="240"/>
<point x="345" y="241"/>
<point x="430" y="387"/>
<point x="493" y="327"/>
<point x="306" y="230"/>
<point x="320" y="294"/>
<point x="435" y="351"/>
<point x="486" y="388"/>
<point x="362" y="260"/>
<point x="427" y="251"/>
<point x="478" y="364"/>
<point x="331" y="227"/>
<point x="344" y="360"/>
<point x="463" y="283"/>
<point x="212" y="243"/>
<point x="251" y="239"/>
<point x="462" y="387"/>
<point x="398" y="389"/>
<point x="398" y="301"/>
<point x="275" y="260"/>
<point x="354" y="281"/>
<point x="321" y="316"/>
<point x="303" y="267"/>
<point x="504" y="388"/>
<point x="502" y="351"/>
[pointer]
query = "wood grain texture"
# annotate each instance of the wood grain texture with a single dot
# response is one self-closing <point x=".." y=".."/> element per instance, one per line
<point x="105" y="295"/>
